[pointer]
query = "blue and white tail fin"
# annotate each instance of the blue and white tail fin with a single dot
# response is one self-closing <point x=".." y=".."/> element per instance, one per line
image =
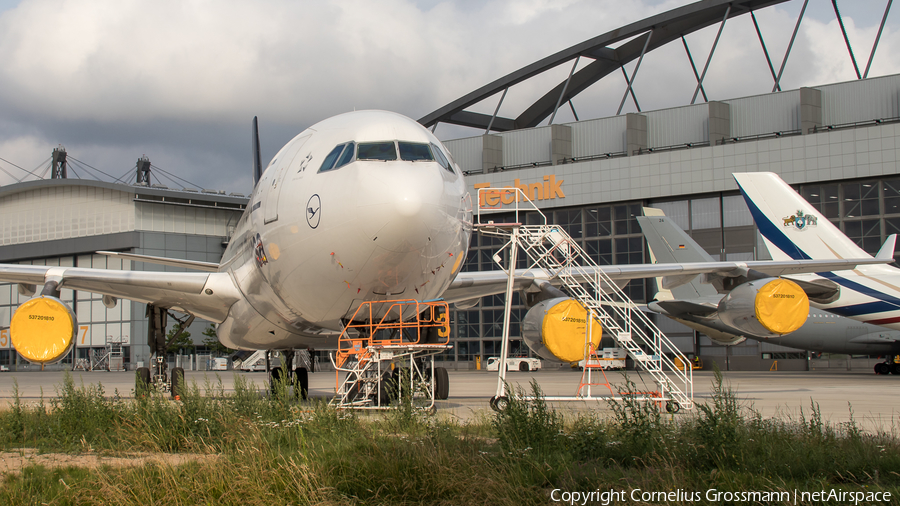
<point x="791" y="226"/>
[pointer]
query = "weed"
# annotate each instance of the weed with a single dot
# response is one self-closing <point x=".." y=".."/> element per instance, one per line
<point x="528" y="425"/>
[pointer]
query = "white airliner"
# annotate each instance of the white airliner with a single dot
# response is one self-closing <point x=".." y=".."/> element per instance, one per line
<point x="794" y="230"/>
<point x="364" y="206"/>
<point x="696" y="305"/>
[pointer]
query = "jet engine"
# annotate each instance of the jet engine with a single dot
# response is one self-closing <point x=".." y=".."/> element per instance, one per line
<point x="768" y="307"/>
<point x="43" y="329"/>
<point x="555" y="329"/>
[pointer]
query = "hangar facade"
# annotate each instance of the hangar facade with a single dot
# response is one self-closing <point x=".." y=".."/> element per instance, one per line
<point x="838" y="144"/>
<point x="64" y="221"/>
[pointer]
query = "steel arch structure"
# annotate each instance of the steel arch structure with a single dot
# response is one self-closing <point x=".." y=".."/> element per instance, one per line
<point x="657" y="31"/>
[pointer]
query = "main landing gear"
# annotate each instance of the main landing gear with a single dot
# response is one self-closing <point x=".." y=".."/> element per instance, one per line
<point x="889" y="366"/>
<point x="286" y="375"/>
<point x="155" y="377"/>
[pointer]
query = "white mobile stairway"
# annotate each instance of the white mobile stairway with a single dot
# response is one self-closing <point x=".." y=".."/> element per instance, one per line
<point x="550" y="248"/>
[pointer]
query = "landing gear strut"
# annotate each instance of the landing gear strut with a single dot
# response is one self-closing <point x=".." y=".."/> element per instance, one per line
<point x="297" y="378"/>
<point x="155" y="377"/>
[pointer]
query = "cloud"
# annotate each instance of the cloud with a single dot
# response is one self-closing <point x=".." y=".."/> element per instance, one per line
<point x="180" y="81"/>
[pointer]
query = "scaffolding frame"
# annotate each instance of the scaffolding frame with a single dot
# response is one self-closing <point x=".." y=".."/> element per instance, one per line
<point x="550" y="248"/>
<point x="390" y="361"/>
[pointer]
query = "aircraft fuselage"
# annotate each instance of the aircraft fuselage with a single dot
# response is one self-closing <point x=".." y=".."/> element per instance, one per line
<point x="387" y="217"/>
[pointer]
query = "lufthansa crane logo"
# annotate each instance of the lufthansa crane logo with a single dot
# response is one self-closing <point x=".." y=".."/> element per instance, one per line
<point x="313" y="211"/>
<point x="800" y="221"/>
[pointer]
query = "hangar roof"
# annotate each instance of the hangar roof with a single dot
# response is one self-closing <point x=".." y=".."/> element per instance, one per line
<point x="660" y="29"/>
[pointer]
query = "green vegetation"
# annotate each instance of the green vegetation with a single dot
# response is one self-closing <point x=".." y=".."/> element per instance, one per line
<point x="258" y="449"/>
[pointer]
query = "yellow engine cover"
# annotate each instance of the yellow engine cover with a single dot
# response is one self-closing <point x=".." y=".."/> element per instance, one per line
<point x="43" y="329"/>
<point x="564" y="329"/>
<point x="781" y="306"/>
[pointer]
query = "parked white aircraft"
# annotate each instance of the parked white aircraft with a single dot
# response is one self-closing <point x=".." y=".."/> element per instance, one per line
<point x="364" y="206"/>
<point x="696" y="304"/>
<point x="794" y="229"/>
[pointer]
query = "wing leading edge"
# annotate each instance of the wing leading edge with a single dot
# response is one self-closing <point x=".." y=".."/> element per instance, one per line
<point x="472" y="285"/>
<point x="205" y="295"/>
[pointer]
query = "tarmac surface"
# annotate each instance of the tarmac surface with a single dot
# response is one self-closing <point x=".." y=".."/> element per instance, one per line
<point x="870" y="399"/>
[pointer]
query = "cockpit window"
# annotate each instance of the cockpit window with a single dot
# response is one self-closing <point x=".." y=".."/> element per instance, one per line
<point x="413" y="152"/>
<point x="441" y="159"/>
<point x="328" y="164"/>
<point x="376" y="151"/>
<point x="346" y="156"/>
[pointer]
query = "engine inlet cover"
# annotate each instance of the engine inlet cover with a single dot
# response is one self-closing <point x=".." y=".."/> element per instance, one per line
<point x="557" y="329"/>
<point x="764" y="308"/>
<point x="43" y="329"/>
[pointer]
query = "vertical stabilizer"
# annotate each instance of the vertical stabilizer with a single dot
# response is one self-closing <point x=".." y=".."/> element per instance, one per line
<point x="670" y="244"/>
<point x="257" y="159"/>
<point x="791" y="226"/>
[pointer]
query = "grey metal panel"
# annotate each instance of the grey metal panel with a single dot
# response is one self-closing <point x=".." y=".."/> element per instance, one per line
<point x="196" y="243"/>
<point x="747" y="348"/>
<point x="598" y="136"/>
<point x="176" y="242"/>
<point x="466" y="152"/>
<point x="764" y="114"/>
<point x="735" y="211"/>
<point x="68" y="247"/>
<point x="853" y="101"/>
<point x="765" y="347"/>
<point x="151" y="240"/>
<point x="680" y="125"/>
<point x="526" y="146"/>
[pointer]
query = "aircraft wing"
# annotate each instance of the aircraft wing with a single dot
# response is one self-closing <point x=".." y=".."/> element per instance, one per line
<point x="472" y="285"/>
<point x="174" y="262"/>
<point x="206" y="295"/>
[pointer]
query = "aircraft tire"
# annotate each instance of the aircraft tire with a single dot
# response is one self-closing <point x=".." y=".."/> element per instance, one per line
<point x="301" y="383"/>
<point x="441" y="383"/>
<point x="882" y="368"/>
<point x="523" y="366"/>
<point x="673" y="407"/>
<point x="177" y="385"/>
<point x="500" y="404"/>
<point x="276" y="376"/>
<point x="895" y="369"/>
<point x="142" y="381"/>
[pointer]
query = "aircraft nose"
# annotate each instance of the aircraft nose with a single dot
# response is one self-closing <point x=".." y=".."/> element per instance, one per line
<point x="408" y="203"/>
<point x="398" y="206"/>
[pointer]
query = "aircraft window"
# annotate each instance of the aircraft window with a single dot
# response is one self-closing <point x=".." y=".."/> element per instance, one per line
<point x="328" y="164"/>
<point x="347" y="156"/>
<point x="441" y="159"/>
<point x="412" y="152"/>
<point x="376" y="151"/>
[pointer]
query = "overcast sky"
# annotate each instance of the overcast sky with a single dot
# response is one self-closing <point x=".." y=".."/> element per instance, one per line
<point x="180" y="80"/>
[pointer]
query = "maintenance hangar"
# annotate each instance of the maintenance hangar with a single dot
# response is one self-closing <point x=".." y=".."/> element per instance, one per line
<point x="836" y="143"/>
<point x="64" y="222"/>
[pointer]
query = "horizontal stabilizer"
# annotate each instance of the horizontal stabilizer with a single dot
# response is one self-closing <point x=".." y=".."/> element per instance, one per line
<point x="172" y="262"/>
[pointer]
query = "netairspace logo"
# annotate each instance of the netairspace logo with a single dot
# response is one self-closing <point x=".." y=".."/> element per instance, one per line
<point x="638" y="496"/>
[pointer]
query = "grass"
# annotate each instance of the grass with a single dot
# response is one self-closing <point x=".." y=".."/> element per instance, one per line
<point x="276" y="449"/>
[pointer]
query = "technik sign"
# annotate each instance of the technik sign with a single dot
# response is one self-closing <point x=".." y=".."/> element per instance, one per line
<point x="549" y="189"/>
